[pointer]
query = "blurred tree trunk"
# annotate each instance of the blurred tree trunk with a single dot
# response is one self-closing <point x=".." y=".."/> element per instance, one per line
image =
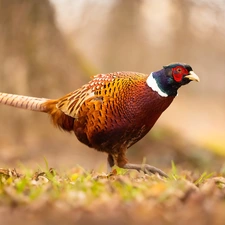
<point x="182" y="34"/>
<point x="34" y="57"/>
<point x="125" y="29"/>
<point x="189" y="44"/>
<point x="33" y="54"/>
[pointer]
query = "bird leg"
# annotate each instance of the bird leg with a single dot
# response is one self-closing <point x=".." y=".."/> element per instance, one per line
<point x="121" y="161"/>
<point x="110" y="163"/>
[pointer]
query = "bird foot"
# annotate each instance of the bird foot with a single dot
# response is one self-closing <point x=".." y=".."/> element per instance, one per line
<point x="145" y="168"/>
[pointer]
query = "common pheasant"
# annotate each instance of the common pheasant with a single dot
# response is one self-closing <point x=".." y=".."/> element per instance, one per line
<point x="113" y="111"/>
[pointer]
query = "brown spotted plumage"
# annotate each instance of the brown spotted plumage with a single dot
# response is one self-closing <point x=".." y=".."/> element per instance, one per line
<point x="113" y="111"/>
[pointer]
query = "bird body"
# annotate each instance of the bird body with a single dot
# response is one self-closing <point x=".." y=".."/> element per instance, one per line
<point x="113" y="111"/>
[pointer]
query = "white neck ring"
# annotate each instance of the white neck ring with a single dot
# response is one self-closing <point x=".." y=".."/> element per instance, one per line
<point x="151" y="82"/>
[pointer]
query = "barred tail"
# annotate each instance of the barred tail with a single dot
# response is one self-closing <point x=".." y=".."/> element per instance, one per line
<point x="59" y="118"/>
<point x="23" y="102"/>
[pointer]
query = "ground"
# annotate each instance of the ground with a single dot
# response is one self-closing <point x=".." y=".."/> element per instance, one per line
<point x="122" y="197"/>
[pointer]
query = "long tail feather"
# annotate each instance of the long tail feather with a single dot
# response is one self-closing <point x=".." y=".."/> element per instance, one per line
<point x="24" y="102"/>
<point x="59" y="118"/>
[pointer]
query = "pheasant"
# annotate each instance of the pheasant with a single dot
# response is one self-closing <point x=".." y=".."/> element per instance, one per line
<point x="113" y="111"/>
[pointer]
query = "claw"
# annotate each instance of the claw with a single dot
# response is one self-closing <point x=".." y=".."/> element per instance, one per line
<point x="145" y="168"/>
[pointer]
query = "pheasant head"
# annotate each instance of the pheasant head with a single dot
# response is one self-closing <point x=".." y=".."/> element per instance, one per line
<point x="169" y="79"/>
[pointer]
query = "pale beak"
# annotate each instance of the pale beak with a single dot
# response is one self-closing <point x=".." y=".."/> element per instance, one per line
<point x="192" y="76"/>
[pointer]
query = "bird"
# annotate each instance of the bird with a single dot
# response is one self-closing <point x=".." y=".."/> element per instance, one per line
<point x="113" y="111"/>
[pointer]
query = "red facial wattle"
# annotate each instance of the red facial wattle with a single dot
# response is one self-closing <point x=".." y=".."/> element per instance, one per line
<point x="178" y="73"/>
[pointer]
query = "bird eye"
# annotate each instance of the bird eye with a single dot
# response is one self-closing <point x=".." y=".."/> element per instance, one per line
<point x="179" y="70"/>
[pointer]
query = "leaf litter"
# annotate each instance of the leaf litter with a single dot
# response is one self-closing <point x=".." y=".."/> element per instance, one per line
<point x="82" y="197"/>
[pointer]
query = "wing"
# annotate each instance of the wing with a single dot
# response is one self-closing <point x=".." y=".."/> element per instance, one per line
<point x="101" y="85"/>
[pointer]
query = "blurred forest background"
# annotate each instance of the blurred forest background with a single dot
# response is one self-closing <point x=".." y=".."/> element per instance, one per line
<point x="49" y="48"/>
